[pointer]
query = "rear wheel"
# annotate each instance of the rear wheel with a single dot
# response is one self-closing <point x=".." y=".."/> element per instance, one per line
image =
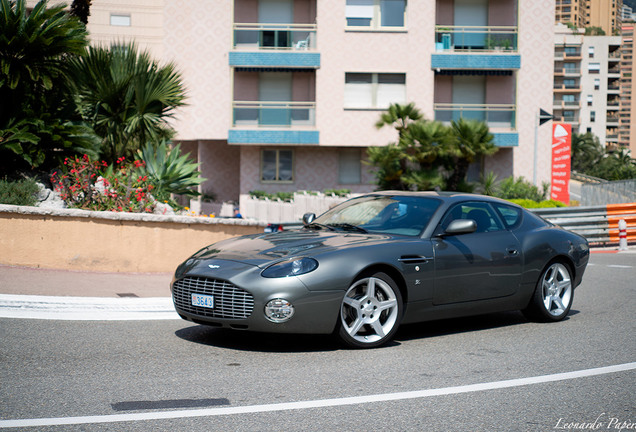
<point x="553" y="295"/>
<point x="371" y="312"/>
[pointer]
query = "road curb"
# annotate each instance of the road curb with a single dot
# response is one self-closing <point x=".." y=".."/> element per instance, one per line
<point x="66" y="308"/>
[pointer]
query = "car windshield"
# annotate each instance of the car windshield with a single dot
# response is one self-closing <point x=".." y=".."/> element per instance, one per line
<point x="400" y="215"/>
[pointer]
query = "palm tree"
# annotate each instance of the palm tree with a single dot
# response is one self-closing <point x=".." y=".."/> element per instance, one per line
<point x="400" y="117"/>
<point x="81" y="9"/>
<point x="425" y="144"/>
<point x="586" y="151"/>
<point x="127" y="97"/>
<point x="472" y="140"/>
<point x="37" y="121"/>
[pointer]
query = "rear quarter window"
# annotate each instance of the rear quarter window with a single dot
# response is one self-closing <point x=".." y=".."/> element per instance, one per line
<point x="512" y="216"/>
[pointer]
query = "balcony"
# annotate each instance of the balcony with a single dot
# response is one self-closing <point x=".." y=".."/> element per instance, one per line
<point x="566" y="104"/>
<point x="291" y="37"/>
<point x="480" y="48"/>
<point x="569" y="71"/>
<point x="274" y="114"/>
<point x="496" y="115"/>
<point x="476" y="38"/>
<point x="279" y="37"/>
<point x="273" y="107"/>
<point x="567" y="88"/>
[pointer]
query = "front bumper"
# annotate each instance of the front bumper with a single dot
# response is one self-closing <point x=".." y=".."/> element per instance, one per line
<point x="240" y="299"/>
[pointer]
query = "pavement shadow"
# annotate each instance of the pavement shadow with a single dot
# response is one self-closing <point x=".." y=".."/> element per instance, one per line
<point x="296" y="343"/>
<point x="258" y="342"/>
<point x="463" y="325"/>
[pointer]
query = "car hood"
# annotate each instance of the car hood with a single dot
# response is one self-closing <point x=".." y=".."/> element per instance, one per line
<point x="263" y="249"/>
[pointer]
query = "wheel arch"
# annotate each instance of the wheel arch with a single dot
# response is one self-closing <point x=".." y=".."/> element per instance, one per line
<point x="391" y="272"/>
<point x="565" y="259"/>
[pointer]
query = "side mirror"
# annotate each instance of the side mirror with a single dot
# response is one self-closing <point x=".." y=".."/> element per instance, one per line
<point x="308" y="218"/>
<point x="461" y="226"/>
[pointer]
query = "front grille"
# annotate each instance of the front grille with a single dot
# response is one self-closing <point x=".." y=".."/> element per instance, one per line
<point x="230" y="301"/>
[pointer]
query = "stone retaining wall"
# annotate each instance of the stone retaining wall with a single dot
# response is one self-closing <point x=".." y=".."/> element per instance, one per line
<point x="72" y="239"/>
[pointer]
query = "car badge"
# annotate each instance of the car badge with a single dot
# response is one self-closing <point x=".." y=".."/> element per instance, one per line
<point x="212" y="266"/>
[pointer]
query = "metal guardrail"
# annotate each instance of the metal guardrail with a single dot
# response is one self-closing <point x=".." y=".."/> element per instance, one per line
<point x="598" y="224"/>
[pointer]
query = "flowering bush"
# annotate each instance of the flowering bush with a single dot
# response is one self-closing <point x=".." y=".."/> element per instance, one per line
<point x="94" y="185"/>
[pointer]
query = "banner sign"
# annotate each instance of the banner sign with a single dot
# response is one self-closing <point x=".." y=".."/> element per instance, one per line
<point x="561" y="149"/>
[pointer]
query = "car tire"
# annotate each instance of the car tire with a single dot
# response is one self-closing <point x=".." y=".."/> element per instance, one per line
<point x="370" y="312"/>
<point x="553" y="295"/>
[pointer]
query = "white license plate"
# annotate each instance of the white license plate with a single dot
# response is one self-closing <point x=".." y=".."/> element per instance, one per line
<point x="201" y="300"/>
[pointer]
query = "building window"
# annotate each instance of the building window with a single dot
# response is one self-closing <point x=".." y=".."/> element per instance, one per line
<point x="590" y="51"/>
<point x="349" y="166"/>
<point x="589" y="100"/>
<point x="594" y="68"/>
<point x="375" y="14"/>
<point x="597" y="84"/>
<point x="374" y="90"/>
<point x="592" y="116"/>
<point x="277" y="165"/>
<point x="120" y="20"/>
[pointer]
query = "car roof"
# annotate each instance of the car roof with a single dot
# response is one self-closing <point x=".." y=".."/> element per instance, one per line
<point x="446" y="196"/>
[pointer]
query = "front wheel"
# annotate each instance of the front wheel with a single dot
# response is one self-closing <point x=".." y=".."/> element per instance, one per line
<point x="371" y="312"/>
<point x="553" y="295"/>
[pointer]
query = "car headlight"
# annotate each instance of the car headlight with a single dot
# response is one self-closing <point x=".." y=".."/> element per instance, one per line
<point x="294" y="267"/>
<point x="279" y="310"/>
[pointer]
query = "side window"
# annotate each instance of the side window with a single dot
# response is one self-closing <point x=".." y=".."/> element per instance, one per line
<point x="510" y="215"/>
<point x="480" y="212"/>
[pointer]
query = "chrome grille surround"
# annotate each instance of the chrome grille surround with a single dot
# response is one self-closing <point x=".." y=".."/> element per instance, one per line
<point x="230" y="301"/>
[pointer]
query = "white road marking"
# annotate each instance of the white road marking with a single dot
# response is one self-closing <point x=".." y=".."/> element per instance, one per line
<point x="86" y="308"/>
<point x="251" y="409"/>
<point x="619" y="266"/>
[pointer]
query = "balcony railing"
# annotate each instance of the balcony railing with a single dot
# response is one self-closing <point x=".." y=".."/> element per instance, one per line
<point x="274" y="114"/>
<point x="496" y="115"/>
<point x="476" y="38"/>
<point x="297" y="37"/>
<point x="567" y="71"/>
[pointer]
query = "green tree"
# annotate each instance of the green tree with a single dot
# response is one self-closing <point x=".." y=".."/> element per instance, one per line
<point x="38" y="125"/>
<point x="81" y="9"/>
<point x="127" y="98"/>
<point x="472" y="141"/>
<point x="586" y="151"/>
<point x="392" y="159"/>
<point x="425" y="145"/>
<point x="425" y="148"/>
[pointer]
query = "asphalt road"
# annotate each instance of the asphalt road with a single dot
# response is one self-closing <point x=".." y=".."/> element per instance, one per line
<point x="124" y="376"/>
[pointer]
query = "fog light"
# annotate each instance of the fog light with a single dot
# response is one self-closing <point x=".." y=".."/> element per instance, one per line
<point x="279" y="310"/>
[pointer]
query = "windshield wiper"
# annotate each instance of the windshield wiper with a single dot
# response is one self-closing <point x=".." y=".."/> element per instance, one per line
<point x="319" y="226"/>
<point x="349" y="227"/>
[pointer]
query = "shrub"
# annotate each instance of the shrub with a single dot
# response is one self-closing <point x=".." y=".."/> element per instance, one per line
<point x="170" y="171"/>
<point x="21" y="192"/>
<point x="93" y="185"/>
<point x="526" y="203"/>
<point x="338" y="192"/>
<point x="284" y="196"/>
<point x="259" y="194"/>
<point x="519" y="188"/>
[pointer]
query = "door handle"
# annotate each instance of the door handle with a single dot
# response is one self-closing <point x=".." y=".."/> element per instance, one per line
<point x="413" y="259"/>
<point x="512" y="251"/>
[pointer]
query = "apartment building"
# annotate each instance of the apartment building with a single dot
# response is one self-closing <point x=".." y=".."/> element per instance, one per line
<point x="587" y="79"/>
<point x="283" y="95"/>
<point x="605" y="14"/>
<point x="572" y="12"/>
<point x="627" y="113"/>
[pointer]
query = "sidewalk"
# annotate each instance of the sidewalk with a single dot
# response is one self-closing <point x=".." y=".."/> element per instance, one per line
<point x="44" y="282"/>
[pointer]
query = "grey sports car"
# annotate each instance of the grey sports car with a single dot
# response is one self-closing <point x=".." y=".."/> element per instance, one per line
<point x="379" y="260"/>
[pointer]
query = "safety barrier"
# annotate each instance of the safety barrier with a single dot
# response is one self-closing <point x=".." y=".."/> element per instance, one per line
<point x="598" y="224"/>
